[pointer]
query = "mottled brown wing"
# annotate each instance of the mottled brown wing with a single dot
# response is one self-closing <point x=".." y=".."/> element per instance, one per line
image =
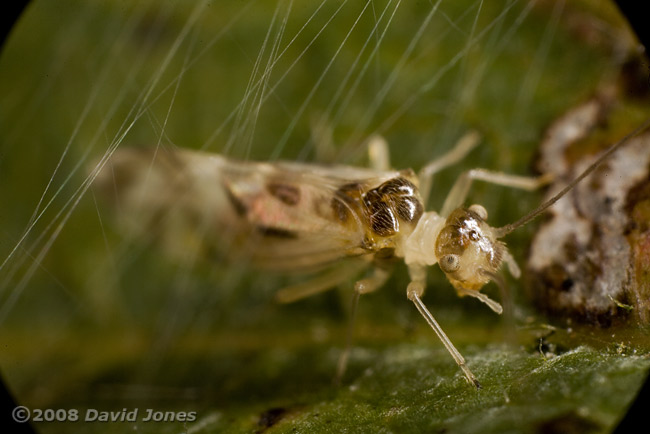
<point x="284" y="216"/>
<point x="299" y="216"/>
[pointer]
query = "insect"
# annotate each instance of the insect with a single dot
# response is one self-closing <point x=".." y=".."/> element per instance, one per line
<point x="292" y="216"/>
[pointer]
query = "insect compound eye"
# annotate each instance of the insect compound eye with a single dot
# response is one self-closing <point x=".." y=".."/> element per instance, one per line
<point x="479" y="210"/>
<point x="450" y="263"/>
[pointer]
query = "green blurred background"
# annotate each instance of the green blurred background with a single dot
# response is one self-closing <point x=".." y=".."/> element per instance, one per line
<point x="90" y="318"/>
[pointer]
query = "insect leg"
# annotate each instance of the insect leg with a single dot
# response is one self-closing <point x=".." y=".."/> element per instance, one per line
<point x="414" y="291"/>
<point x="363" y="286"/>
<point x="318" y="284"/>
<point x="458" y="192"/>
<point x="378" y="153"/>
<point x="456" y="154"/>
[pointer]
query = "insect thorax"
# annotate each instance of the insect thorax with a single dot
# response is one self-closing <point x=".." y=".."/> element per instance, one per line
<point x="388" y="213"/>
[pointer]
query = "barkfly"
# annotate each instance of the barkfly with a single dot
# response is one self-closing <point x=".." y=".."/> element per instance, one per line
<point x="294" y="216"/>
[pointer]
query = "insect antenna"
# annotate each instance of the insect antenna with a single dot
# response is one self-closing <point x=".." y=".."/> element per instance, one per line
<point x="504" y="230"/>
